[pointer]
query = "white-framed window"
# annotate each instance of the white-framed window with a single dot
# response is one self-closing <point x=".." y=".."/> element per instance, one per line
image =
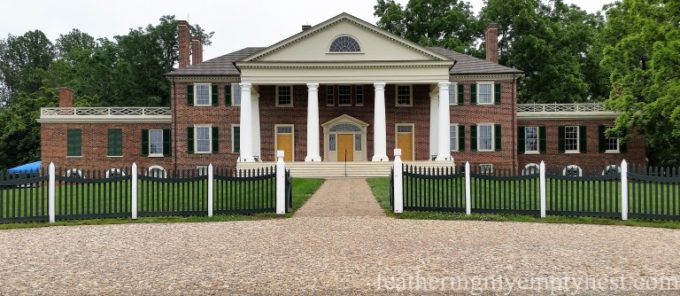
<point x="531" y="139"/>
<point x="611" y="145"/>
<point x="331" y="142"/>
<point x="236" y="94"/>
<point x="115" y="172"/>
<point x="74" y="173"/>
<point x="485" y="137"/>
<point x="572" y="171"/>
<point x="485" y="93"/>
<point x="611" y="169"/>
<point x="202" y="170"/>
<point x="235" y="138"/>
<point x="202" y="139"/>
<point x="330" y="96"/>
<point x="155" y="143"/>
<point x="486" y="169"/>
<point x="156" y="171"/>
<point x="344" y="95"/>
<point x="202" y="94"/>
<point x="453" y="94"/>
<point x="453" y="137"/>
<point x="571" y="139"/>
<point x="284" y="96"/>
<point x="357" y="142"/>
<point x="531" y="169"/>
<point x="404" y="95"/>
<point x="359" y="89"/>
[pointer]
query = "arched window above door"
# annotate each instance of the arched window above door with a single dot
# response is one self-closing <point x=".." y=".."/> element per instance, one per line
<point x="345" y="127"/>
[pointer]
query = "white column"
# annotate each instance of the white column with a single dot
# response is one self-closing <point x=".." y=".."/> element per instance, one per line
<point x="133" y="202"/>
<point x="280" y="184"/>
<point x="624" y="190"/>
<point x="255" y="99"/>
<point x="542" y="188"/>
<point x="444" y="150"/>
<point x="211" y="176"/>
<point x="50" y="192"/>
<point x="468" y="190"/>
<point x="379" y="124"/>
<point x="246" y="124"/>
<point x="434" y="110"/>
<point x="313" y="123"/>
<point x="398" y="183"/>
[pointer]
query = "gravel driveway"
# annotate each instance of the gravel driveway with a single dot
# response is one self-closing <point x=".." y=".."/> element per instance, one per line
<point x="334" y="255"/>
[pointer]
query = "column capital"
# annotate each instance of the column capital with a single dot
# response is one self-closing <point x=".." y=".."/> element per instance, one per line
<point x="444" y="84"/>
<point x="312" y="85"/>
<point x="379" y="85"/>
<point x="246" y="84"/>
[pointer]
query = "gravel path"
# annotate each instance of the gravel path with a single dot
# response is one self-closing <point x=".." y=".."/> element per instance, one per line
<point x="330" y="255"/>
<point x="342" y="197"/>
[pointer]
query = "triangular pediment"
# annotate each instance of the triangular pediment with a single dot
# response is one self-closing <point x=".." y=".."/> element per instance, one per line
<point x="344" y="118"/>
<point x="376" y="45"/>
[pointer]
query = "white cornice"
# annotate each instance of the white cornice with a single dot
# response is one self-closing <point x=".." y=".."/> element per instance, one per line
<point x="468" y="77"/>
<point x="345" y="65"/>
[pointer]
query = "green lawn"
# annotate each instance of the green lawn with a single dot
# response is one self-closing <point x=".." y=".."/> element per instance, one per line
<point x="380" y="187"/>
<point x="71" y="200"/>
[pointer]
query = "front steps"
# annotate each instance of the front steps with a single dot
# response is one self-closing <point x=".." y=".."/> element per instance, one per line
<point x="341" y="169"/>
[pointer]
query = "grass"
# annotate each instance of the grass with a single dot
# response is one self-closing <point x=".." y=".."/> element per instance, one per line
<point x="303" y="189"/>
<point x="380" y="188"/>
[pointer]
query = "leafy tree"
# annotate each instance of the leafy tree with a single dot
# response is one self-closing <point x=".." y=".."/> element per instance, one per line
<point x="23" y="62"/>
<point x="643" y="55"/>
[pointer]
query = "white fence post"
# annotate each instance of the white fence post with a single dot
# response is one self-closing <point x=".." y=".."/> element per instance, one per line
<point x="133" y="203"/>
<point x="468" y="190"/>
<point x="50" y="196"/>
<point x="624" y="190"/>
<point x="210" y="190"/>
<point x="398" y="183"/>
<point x="542" y="185"/>
<point x="280" y="183"/>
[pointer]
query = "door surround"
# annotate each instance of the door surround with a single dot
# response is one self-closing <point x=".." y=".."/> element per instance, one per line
<point x="292" y="139"/>
<point x="345" y="124"/>
<point x="413" y="138"/>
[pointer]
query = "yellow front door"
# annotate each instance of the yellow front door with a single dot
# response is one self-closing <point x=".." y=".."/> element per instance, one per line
<point x="345" y="147"/>
<point x="405" y="142"/>
<point x="284" y="141"/>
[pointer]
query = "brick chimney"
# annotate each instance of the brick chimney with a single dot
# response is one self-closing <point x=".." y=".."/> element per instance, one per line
<point x="306" y="27"/>
<point x="184" y="40"/>
<point x="196" y="51"/>
<point x="65" y="97"/>
<point x="491" y="41"/>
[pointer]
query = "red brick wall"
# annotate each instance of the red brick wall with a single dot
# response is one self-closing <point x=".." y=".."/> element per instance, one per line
<point x="592" y="161"/>
<point x="502" y="114"/>
<point x="95" y="145"/>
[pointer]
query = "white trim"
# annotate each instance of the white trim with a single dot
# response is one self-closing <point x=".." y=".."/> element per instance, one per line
<point x="453" y="94"/>
<point x="493" y="137"/>
<point x="578" y="140"/>
<point x="452" y="127"/>
<point x="149" y="144"/>
<point x="606" y="168"/>
<point x="410" y="95"/>
<point x="276" y="98"/>
<point x="292" y="134"/>
<point x="196" y="126"/>
<point x="154" y="167"/>
<point x="572" y="166"/>
<point x="196" y="85"/>
<point x="233" y="139"/>
<point x="413" y="138"/>
<point x="234" y="93"/>
<point x="618" y="145"/>
<point x="493" y="86"/>
<point x="538" y="141"/>
<point x="525" y="171"/>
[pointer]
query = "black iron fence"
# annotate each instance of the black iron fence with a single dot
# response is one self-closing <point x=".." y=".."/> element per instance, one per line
<point x="245" y="191"/>
<point x="500" y="191"/>
<point x="654" y="193"/>
<point x="82" y="194"/>
<point x="180" y="192"/>
<point x="23" y="197"/>
<point x="433" y="189"/>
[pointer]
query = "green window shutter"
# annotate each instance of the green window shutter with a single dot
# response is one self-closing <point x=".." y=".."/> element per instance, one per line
<point x="473" y="137"/>
<point x="520" y="139"/>
<point x="115" y="144"/>
<point x="497" y="135"/>
<point x="622" y="145"/>
<point x="497" y="94"/>
<point x="461" y="138"/>
<point x="74" y="142"/>
<point x="473" y="94"/>
<point x="215" y="140"/>
<point x="190" y="95"/>
<point x="190" y="140"/>
<point x="461" y="94"/>
<point x="582" y="141"/>
<point x="145" y="142"/>
<point x="560" y="139"/>
<point x="541" y="139"/>
<point x="227" y="95"/>
<point x="215" y="95"/>
<point x="602" y="138"/>
<point x="167" y="142"/>
<point x="237" y="139"/>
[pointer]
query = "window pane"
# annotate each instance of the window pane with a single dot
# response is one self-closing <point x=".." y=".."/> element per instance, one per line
<point x="344" y="44"/>
<point x="360" y="95"/>
<point x="203" y="139"/>
<point x="453" y="138"/>
<point x="237" y="94"/>
<point x="156" y="142"/>
<point x="571" y="138"/>
<point x="284" y="129"/>
<point x="404" y="128"/>
<point x="344" y="95"/>
<point x="203" y="94"/>
<point x="115" y="145"/>
<point x="236" y="139"/>
<point x="285" y="95"/>
<point x="484" y="93"/>
<point x="531" y="139"/>
<point x="330" y="99"/>
<point x="357" y="142"/>
<point x="452" y="94"/>
<point x="403" y="95"/>
<point x="485" y="137"/>
<point x="331" y="142"/>
<point x="611" y="143"/>
<point x="74" y="142"/>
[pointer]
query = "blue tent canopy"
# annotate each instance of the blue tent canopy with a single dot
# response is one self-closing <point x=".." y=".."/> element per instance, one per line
<point x="28" y="168"/>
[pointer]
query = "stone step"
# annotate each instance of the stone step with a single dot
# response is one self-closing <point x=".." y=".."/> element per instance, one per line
<point x="341" y="169"/>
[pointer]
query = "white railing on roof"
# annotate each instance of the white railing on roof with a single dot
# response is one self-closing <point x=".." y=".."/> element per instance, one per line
<point x="104" y="111"/>
<point x="573" y="107"/>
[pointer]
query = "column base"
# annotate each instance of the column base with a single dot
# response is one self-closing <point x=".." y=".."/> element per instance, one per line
<point x="312" y="158"/>
<point x="380" y="158"/>
<point x="246" y="159"/>
<point x="443" y="158"/>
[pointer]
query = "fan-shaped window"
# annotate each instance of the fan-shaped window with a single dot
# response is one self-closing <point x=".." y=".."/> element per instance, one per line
<point x="345" y="44"/>
<point x="531" y="169"/>
<point x="74" y="173"/>
<point x="345" y="127"/>
<point x="114" y="173"/>
<point x="572" y="171"/>
<point x="157" y="171"/>
<point x="611" y="170"/>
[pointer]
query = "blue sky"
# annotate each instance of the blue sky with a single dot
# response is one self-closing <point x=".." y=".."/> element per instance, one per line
<point x="236" y="24"/>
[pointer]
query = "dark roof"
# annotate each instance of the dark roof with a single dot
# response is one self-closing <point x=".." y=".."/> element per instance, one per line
<point x="467" y="64"/>
<point x="222" y="65"/>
